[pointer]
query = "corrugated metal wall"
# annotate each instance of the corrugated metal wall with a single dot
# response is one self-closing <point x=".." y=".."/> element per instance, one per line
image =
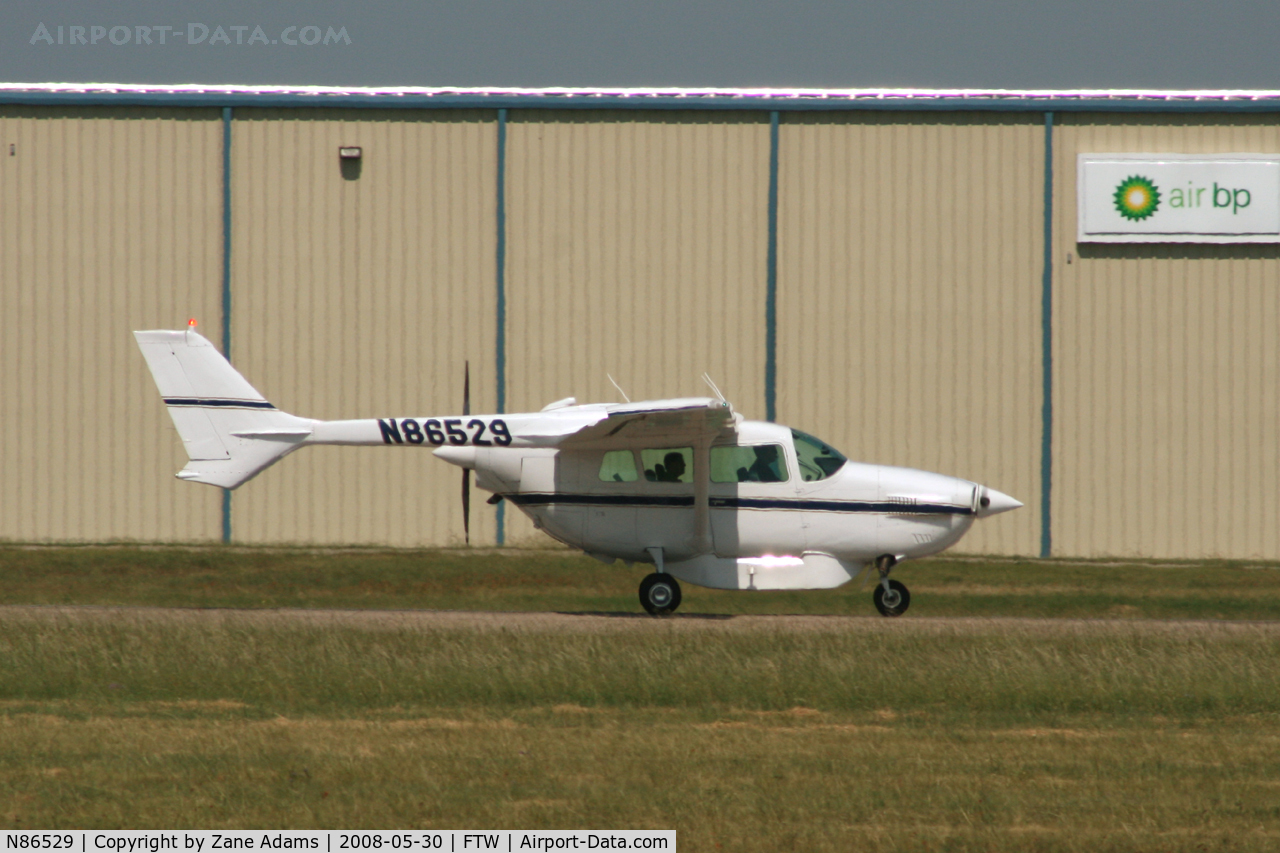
<point x="1165" y="368"/>
<point x="109" y="222"/>
<point x="909" y="285"/>
<point x="909" y="288"/>
<point x="636" y="247"/>
<point x="363" y="296"/>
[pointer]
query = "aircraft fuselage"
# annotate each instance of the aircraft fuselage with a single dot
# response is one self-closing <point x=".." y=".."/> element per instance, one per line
<point x="686" y="484"/>
<point x="722" y="525"/>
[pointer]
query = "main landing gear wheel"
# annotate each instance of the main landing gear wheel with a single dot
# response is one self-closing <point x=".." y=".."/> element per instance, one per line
<point x="659" y="594"/>
<point x="894" y="602"/>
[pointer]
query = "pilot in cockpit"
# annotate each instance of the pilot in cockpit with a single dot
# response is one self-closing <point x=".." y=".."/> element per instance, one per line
<point x="765" y="469"/>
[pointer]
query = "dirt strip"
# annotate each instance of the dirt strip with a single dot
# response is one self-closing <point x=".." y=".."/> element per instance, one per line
<point x="620" y="622"/>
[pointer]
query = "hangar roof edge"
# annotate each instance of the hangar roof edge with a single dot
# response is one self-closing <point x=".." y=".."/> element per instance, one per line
<point x="193" y="94"/>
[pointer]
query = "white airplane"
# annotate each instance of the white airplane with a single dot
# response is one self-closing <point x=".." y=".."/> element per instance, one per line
<point x="688" y="485"/>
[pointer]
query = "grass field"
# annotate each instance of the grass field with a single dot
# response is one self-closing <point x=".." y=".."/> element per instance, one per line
<point x="560" y="580"/>
<point x="936" y="731"/>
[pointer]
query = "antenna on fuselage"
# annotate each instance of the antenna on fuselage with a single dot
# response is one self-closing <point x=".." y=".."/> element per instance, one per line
<point x="619" y="387"/>
<point x="706" y="377"/>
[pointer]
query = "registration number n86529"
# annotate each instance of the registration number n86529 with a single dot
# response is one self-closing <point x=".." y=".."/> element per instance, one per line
<point x="476" y="432"/>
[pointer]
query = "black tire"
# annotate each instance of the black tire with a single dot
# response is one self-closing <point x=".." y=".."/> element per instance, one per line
<point x="659" y="594"/>
<point x="892" y="607"/>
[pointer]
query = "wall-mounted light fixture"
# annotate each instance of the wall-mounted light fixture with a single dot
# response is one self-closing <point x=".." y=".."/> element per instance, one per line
<point x="350" y="161"/>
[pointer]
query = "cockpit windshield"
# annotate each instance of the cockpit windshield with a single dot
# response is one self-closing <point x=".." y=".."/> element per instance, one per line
<point x="817" y="460"/>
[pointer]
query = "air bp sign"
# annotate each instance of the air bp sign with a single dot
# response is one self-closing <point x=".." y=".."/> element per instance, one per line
<point x="1178" y="198"/>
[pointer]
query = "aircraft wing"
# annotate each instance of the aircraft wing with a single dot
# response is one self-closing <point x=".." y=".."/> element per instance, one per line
<point x="691" y="417"/>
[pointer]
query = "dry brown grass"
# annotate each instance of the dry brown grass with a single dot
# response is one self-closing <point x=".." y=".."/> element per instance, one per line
<point x="752" y="733"/>
<point x="747" y="781"/>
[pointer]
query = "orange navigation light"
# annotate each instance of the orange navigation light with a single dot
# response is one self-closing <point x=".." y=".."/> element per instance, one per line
<point x="192" y="322"/>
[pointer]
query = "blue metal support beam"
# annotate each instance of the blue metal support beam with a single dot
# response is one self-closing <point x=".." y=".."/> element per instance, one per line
<point x="501" y="284"/>
<point x="771" y="281"/>
<point x="226" y="282"/>
<point x="1046" y="353"/>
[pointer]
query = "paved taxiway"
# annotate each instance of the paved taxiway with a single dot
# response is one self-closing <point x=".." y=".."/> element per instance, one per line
<point x="620" y="622"/>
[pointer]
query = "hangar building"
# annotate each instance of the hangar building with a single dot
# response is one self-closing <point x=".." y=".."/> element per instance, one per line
<point x="900" y="273"/>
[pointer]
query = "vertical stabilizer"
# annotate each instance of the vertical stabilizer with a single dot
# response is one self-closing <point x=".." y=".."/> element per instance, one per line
<point x="229" y="430"/>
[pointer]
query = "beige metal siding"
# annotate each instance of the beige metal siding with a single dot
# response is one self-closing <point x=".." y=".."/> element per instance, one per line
<point x="909" y="283"/>
<point x="1165" y="368"/>
<point x="109" y="222"/>
<point x="363" y="297"/>
<point x="636" y="247"/>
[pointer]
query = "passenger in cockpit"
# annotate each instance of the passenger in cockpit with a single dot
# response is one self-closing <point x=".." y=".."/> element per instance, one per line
<point x="671" y="469"/>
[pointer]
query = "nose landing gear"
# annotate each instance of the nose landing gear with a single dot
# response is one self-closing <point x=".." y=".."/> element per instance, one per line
<point x="891" y="597"/>
<point x="659" y="594"/>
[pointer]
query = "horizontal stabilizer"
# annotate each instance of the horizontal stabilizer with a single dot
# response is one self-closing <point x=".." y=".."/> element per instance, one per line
<point x="274" y="434"/>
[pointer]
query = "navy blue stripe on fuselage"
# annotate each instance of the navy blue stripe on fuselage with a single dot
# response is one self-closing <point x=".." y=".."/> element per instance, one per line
<point x="217" y="402"/>
<point x="740" y="503"/>
<point x="840" y="506"/>
<point x="602" y="500"/>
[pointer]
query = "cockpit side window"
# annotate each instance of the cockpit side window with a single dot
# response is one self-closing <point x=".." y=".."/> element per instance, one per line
<point x="668" y="464"/>
<point x="817" y="461"/>
<point x="619" y="466"/>
<point x="762" y="463"/>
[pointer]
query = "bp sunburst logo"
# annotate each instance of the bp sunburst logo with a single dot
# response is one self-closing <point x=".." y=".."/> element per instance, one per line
<point x="1137" y="197"/>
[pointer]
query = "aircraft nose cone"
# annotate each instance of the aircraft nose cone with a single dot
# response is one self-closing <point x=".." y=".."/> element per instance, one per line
<point x="993" y="503"/>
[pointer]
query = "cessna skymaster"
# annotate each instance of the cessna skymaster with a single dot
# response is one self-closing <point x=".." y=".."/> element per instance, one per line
<point x="688" y="485"/>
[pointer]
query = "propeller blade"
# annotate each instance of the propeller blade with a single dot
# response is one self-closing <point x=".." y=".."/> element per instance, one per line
<point x="466" y="472"/>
